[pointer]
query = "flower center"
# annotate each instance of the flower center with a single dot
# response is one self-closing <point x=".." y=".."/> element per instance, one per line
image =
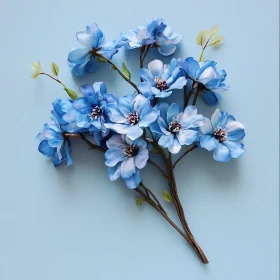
<point x="133" y="118"/>
<point x="130" y="151"/>
<point x="220" y="134"/>
<point x="174" y="126"/>
<point x="93" y="52"/>
<point x="95" y="113"/>
<point x="161" y="85"/>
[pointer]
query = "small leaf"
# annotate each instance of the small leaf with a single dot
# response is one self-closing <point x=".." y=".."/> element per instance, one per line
<point x="113" y="67"/>
<point x="55" y="69"/>
<point x="214" y="30"/>
<point x="71" y="93"/>
<point x="125" y="71"/>
<point x="36" y="66"/>
<point x="217" y="41"/>
<point x="100" y="59"/>
<point x="167" y="196"/>
<point x="202" y="37"/>
<point x="139" y="201"/>
<point x="35" y="75"/>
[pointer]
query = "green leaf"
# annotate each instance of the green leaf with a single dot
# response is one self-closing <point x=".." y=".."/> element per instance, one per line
<point x="71" y="93"/>
<point x="202" y="37"/>
<point x="139" y="201"/>
<point x="55" y="69"/>
<point x="35" y="75"/>
<point x="167" y="196"/>
<point x="217" y="41"/>
<point x="113" y="67"/>
<point x="125" y="71"/>
<point x="214" y="30"/>
<point x="100" y="59"/>
<point x="36" y="66"/>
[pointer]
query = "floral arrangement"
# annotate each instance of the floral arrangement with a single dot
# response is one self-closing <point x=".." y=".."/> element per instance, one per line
<point x="132" y="129"/>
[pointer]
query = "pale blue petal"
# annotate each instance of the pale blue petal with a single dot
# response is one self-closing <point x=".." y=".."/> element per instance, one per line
<point x="134" y="132"/>
<point x="208" y="142"/>
<point x="119" y="128"/>
<point x="163" y="126"/>
<point x="127" y="168"/>
<point x="187" y="137"/>
<point x="235" y="131"/>
<point x="82" y="105"/>
<point x="141" y="158"/>
<point x="222" y="153"/>
<point x="172" y="112"/>
<point x="113" y="156"/>
<point x="236" y="148"/>
<point x="175" y="148"/>
<point x="77" y="55"/>
<point x="156" y="68"/>
<point x="116" y="141"/>
<point x="166" y="141"/>
<point x="147" y="76"/>
<point x="179" y="83"/>
<point x="210" y="98"/>
<point x="147" y="117"/>
<point x="114" y="172"/>
<point x="134" y="180"/>
<point x="207" y="128"/>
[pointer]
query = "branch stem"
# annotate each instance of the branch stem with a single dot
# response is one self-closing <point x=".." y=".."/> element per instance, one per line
<point x="114" y="66"/>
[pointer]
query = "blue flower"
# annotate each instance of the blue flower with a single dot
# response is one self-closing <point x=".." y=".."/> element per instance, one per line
<point x="160" y="79"/>
<point x="124" y="158"/>
<point x="54" y="145"/>
<point x="130" y="114"/>
<point x="65" y="115"/>
<point x="177" y="128"/>
<point x="83" y="59"/>
<point x="222" y="134"/>
<point x="207" y="76"/>
<point x="155" y="33"/>
<point x="92" y="109"/>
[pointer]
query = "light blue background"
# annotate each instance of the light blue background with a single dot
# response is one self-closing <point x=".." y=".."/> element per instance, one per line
<point x="73" y="223"/>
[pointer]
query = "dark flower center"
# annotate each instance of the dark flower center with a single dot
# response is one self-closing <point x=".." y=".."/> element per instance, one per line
<point x="130" y="151"/>
<point x="161" y="85"/>
<point x="133" y="118"/>
<point x="95" y="113"/>
<point x="93" y="52"/>
<point x="220" y="134"/>
<point x="174" y="126"/>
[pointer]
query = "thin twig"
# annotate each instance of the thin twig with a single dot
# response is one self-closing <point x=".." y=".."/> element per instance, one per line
<point x="185" y="153"/>
<point x="119" y="71"/>
<point x="158" y="167"/>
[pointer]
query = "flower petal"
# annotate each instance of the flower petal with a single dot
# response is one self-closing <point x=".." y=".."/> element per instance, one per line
<point x="141" y="158"/>
<point x="127" y="168"/>
<point x="222" y="153"/>
<point x="236" y="148"/>
<point x="207" y="128"/>
<point x="172" y="112"/>
<point x="134" y="180"/>
<point x="208" y="142"/>
<point x="45" y="149"/>
<point x="114" y="172"/>
<point x="187" y="137"/>
<point x="166" y="141"/>
<point x="235" y="131"/>
<point x="113" y="156"/>
<point x="175" y="148"/>
<point x="134" y="132"/>
<point x="77" y="55"/>
<point x="156" y="68"/>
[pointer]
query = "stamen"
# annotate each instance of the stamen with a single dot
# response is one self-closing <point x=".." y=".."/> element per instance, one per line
<point x="130" y="151"/>
<point x="133" y="118"/>
<point x="95" y="113"/>
<point x="161" y="85"/>
<point x="174" y="126"/>
<point x="220" y="134"/>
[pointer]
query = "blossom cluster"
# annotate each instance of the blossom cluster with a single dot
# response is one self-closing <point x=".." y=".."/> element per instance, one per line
<point x="127" y="126"/>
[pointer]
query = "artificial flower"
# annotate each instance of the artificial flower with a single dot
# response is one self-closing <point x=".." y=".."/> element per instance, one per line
<point x="177" y="128"/>
<point x="54" y="145"/>
<point x="208" y="76"/>
<point x="160" y="79"/>
<point x="92" y="109"/>
<point x="155" y="33"/>
<point x="84" y="59"/>
<point x="124" y="158"/>
<point x="223" y="135"/>
<point x="130" y="114"/>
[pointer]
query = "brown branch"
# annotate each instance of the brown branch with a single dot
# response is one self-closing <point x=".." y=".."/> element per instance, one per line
<point x="185" y="153"/>
<point x="119" y="71"/>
